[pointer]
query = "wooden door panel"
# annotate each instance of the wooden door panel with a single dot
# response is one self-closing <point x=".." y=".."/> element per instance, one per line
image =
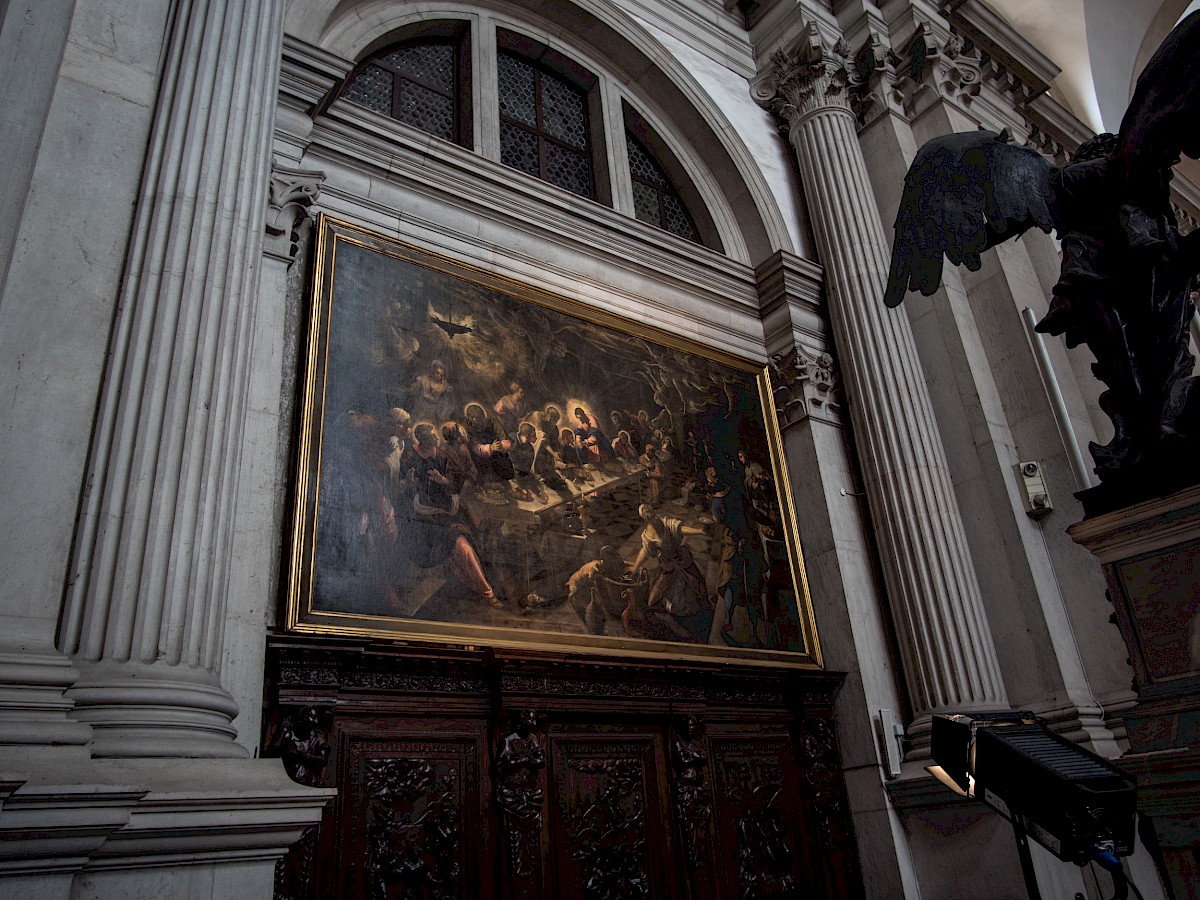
<point x="607" y="813"/>
<point x="411" y="816"/>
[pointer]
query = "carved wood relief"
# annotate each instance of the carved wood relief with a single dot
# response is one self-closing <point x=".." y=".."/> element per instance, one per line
<point x="481" y="775"/>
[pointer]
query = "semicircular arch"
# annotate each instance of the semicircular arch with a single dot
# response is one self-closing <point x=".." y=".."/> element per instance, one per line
<point x="748" y="216"/>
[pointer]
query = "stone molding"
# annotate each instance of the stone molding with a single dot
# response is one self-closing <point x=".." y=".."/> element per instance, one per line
<point x="128" y="816"/>
<point x="292" y="193"/>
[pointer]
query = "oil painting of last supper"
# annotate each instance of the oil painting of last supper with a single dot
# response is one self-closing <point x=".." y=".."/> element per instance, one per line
<point x="483" y="463"/>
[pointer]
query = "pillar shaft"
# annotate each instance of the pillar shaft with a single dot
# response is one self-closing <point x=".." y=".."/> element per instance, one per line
<point x="144" y="618"/>
<point x="943" y="635"/>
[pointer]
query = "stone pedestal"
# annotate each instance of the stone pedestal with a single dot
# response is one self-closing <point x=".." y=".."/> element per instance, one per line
<point x="1150" y="553"/>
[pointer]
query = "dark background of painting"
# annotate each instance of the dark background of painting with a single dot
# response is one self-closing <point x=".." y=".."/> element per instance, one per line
<point x="383" y="334"/>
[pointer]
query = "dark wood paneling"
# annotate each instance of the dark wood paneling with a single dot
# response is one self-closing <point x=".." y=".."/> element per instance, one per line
<point x="481" y="774"/>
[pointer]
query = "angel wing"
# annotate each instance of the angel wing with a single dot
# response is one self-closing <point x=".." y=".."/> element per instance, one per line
<point x="963" y="194"/>
<point x="1163" y="118"/>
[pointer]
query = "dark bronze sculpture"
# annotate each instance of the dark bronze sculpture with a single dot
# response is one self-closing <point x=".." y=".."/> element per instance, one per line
<point x="1124" y="286"/>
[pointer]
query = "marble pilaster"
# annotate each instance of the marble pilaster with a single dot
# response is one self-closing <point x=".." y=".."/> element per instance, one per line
<point x="144" y="619"/>
<point x="944" y="640"/>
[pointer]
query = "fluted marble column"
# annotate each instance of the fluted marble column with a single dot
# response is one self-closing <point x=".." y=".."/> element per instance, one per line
<point x="145" y="615"/>
<point x="945" y="644"/>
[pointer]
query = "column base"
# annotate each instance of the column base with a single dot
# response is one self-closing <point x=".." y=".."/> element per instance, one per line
<point x="139" y="710"/>
<point x="34" y="708"/>
<point x="147" y="829"/>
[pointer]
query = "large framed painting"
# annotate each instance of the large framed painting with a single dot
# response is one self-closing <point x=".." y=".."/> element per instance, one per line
<point x="484" y="463"/>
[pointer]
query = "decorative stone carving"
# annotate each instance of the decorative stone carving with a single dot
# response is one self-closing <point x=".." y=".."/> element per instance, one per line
<point x="292" y="194"/>
<point x="693" y="800"/>
<point x="520" y="796"/>
<point x="805" y="385"/>
<point x="940" y="62"/>
<point x="816" y="74"/>
<point x="877" y="94"/>
<point x="303" y="746"/>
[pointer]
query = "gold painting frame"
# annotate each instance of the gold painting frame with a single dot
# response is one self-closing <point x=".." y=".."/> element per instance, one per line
<point x="581" y="547"/>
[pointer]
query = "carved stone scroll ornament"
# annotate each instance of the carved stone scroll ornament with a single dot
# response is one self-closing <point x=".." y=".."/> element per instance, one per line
<point x="303" y="746"/>
<point x="805" y="385"/>
<point x="693" y="799"/>
<point x="520" y="796"/>
<point x="292" y="194"/>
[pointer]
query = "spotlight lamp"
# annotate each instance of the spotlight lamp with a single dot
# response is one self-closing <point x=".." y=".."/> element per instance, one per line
<point x="1077" y="805"/>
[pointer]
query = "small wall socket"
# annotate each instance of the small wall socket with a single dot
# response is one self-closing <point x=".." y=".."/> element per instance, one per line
<point x="1034" y="492"/>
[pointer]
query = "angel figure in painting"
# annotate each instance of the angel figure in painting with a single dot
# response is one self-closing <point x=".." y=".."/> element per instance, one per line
<point x="1123" y="288"/>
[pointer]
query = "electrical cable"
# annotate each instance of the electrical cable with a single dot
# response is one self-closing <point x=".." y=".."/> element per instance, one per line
<point x="1129" y="881"/>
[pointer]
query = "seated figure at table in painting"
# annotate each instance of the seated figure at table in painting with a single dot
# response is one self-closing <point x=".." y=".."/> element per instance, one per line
<point x="489" y="451"/>
<point x="547" y="423"/>
<point x="439" y="527"/>
<point x="548" y="465"/>
<point x="623" y="448"/>
<point x="574" y="457"/>
<point x="594" y="590"/>
<point x="460" y="464"/>
<point x="431" y="396"/>
<point x="523" y="454"/>
<point x="677" y="587"/>
<point x="589" y="429"/>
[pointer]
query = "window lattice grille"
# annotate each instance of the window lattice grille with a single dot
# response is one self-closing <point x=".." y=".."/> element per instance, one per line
<point x="417" y="84"/>
<point x="655" y="199"/>
<point x="543" y="125"/>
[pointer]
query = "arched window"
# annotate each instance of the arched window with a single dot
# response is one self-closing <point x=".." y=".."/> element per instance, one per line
<point x="547" y="118"/>
<point x="655" y="199"/>
<point x="422" y="81"/>
<point x="544" y="105"/>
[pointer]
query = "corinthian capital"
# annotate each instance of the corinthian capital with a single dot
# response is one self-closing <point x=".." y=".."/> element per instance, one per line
<point x="292" y="192"/>
<point x="805" y="384"/>
<point x="811" y="75"/>
<point x="939" y="66"/>
<point x="878" y="94"/>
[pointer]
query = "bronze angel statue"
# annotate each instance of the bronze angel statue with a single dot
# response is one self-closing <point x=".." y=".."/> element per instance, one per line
<point x="1124" y="288"/>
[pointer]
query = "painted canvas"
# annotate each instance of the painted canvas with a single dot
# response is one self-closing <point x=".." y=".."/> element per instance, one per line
<point x="481" y="462"/>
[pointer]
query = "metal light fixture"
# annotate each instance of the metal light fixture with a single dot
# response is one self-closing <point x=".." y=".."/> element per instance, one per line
<point x="1077" y="805"/>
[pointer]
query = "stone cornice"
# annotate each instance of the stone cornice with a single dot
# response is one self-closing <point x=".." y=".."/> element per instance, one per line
<point x="1001" y="44"/>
